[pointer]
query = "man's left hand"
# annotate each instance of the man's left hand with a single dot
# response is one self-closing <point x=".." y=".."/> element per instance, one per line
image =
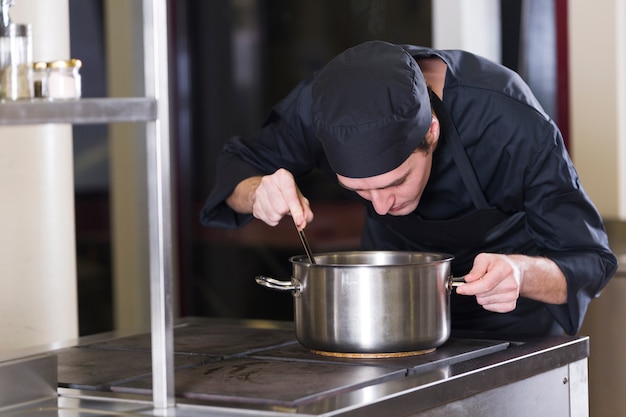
<point x="495" y="280"/>
<point x="499" y="280"/>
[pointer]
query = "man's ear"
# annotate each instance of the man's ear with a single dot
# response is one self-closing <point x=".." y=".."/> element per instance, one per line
<point x="432" y="136"/>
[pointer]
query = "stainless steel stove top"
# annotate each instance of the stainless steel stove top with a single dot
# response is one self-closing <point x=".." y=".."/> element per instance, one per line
<point x="260" y="363"/>
<point x="243" y="368"/>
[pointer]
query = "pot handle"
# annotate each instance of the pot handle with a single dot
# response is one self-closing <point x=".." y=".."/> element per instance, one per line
<point x="294" y="285"/>
<point x="454" y="282"/>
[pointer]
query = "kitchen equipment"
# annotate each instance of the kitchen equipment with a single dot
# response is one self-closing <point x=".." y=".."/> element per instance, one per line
<point x="380" y="303"/>
<point x="305" y="243"/>
<point x="40" y="79"/>
<point x="243" y="368"/>
<point x="15" y="55"/>
<point x="64" y="79"/>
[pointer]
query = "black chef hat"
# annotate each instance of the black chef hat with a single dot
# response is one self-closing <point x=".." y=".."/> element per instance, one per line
<point x="371" y="109"/>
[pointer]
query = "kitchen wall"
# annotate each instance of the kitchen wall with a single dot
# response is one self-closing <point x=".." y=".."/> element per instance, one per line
<point x="598" y="101"/>
<point x="598" y="104"/>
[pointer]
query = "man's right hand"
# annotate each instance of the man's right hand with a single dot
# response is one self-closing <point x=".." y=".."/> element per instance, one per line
<point x="269" y="198"/>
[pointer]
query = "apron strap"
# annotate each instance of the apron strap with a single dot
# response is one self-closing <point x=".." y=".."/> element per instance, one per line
<point x="458" y="154"/>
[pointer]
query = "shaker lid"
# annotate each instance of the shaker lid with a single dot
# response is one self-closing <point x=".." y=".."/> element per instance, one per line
<point x="15" y="30"/>
<point x="70" y="63"/>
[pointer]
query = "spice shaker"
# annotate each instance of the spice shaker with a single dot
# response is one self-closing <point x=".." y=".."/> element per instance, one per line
<point x="15" y="55"/>
<point x="40" y="79"/>
<point x="64" y="80"/>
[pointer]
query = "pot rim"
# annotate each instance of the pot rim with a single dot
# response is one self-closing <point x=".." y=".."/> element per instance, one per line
<point x="304" y="259"/>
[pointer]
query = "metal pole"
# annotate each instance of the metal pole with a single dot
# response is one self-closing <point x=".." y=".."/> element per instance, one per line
<point x="159" y="206"/>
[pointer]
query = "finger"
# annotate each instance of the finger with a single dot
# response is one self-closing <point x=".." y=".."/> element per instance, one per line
<point x="268" y="216"/>
<point x="501" y="303"/>
<point x="297" y="213"/>
<point x="500" y="307"/>
<point x="473" y="288"/>
<point x="266" y="208"/>
<point x="270" y="204"/>
<point x="285" y="196"/>
<point x="297" y="205"/>
<point x="307" y="213"/>
<point x="479" y="268"/>
<point x="496" y="297"/>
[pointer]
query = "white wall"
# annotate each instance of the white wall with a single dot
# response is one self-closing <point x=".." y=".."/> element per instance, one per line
<point x="597" y="51"/>
<point x="470" y="25"/>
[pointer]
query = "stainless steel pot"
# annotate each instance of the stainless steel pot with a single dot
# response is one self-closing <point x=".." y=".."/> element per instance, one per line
<point x="370" y="302"/>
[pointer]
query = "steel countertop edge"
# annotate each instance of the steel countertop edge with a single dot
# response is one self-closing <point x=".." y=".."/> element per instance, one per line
<point x="423" y="391"/>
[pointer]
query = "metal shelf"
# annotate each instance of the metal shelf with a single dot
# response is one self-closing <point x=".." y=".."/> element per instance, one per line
<point x="156" y="117"/>
<point x="83" y="111"/>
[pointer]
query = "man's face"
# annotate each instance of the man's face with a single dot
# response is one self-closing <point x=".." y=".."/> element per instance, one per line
<point x="396" y="192"/>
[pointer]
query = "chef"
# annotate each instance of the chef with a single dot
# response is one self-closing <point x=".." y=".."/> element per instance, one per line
<point x="449" y="152"/>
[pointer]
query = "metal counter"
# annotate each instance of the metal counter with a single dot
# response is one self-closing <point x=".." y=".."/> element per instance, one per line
<point x="257" y="368"/>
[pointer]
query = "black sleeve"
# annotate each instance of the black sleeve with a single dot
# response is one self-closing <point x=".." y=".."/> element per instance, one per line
<point x="285" y="141"/>
<point x="570" y="231"/>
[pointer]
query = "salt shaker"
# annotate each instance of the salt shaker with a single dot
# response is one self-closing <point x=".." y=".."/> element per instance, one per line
<point x="64" y="80"/>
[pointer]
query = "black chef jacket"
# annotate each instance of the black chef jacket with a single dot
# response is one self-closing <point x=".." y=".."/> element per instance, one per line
<point x="522" y="168"/>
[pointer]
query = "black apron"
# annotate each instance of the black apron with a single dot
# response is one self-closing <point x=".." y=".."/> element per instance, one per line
<point x="486" y="229"/>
